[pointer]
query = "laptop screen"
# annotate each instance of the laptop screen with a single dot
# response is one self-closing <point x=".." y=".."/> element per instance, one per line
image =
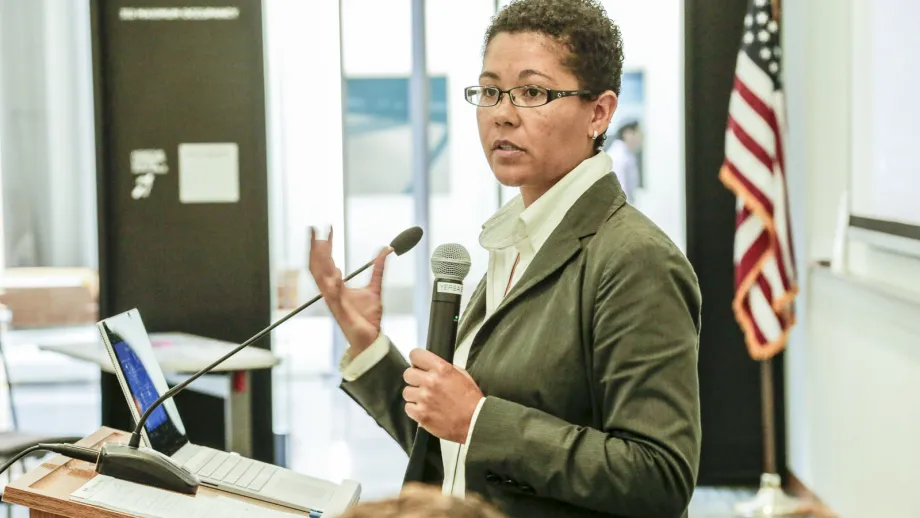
<point x="137" y="369"/>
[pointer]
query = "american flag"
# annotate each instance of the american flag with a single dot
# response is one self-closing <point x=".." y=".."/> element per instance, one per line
<point x="765" y="280"/>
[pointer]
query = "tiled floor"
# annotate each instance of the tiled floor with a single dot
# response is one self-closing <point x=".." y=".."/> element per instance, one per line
<point x="329" y="435"/>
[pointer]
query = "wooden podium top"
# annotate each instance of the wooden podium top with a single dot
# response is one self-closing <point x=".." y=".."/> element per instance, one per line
<point x="46" y="489"/>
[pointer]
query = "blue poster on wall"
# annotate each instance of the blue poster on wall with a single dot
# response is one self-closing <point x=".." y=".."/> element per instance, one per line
<point x="378" y="136"/>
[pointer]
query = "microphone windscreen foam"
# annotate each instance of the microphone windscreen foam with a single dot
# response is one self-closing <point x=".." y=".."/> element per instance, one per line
<point x="406" y="240"/>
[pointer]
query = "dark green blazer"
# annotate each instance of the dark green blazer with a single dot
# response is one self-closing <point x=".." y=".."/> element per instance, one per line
<point x="589" y="368"/>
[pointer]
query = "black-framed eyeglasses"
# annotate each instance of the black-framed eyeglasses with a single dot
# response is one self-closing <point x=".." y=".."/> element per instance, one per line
<point x="527" y="96"/>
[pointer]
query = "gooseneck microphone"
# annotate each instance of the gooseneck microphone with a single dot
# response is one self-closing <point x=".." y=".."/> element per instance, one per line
<point x="405" y="241"/>
<point x="149" y="467"/>
<point x="450" y="264"/>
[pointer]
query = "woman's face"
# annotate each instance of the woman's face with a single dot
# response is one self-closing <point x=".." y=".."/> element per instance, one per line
<point x="546" y="141"/>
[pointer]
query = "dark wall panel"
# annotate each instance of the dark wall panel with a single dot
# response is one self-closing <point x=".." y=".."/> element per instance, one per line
<point x="729" y="378"/>
<point x="199" y="268"/>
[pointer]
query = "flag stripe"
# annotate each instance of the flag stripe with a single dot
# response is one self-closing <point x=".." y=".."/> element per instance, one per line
<point x="754" y="124"/>
<point x="747" y="230"/>
<point x="757" y="104"/>
<point x="751" y="145"/>
<point x="786" y="226"/>
<point x="758" y="173"/>
<point x="763" y="313"/>
<point x="781" y="227"/>
<point x="772" y="279"/>
<point x="754" y="254"/>
<point x="777" y="123"/>
<point x="753" y="194"/>
<point x="758" y="334"/>
<point x="755" y="79"/>
<point x="754" y="170"/>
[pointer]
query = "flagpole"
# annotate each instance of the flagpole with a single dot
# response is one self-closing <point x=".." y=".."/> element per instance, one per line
<point x="766" y="374"/>
<point x="770" y="499"/>
<point x="769" y="416"/>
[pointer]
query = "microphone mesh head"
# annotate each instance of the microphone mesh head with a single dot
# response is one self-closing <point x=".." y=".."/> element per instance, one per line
<point x="450" y="261"/>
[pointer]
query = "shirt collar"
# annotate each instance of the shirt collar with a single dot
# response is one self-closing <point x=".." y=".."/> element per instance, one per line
<point x="527" y="229"/>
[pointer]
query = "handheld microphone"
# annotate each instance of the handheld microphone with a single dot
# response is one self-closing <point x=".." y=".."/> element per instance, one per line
<point x="149" y="467"/>
<point x="450" y="264"/>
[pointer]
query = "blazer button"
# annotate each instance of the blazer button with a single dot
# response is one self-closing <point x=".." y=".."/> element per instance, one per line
<point x="492" y="478"/>
<point x="510" y="484"/>
<point x="527" y="489"/>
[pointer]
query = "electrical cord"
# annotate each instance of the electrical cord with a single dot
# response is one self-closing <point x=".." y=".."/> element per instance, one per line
<point x="70" y="450"/>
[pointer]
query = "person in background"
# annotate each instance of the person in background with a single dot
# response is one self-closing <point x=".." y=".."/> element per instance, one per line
<point x="573" y="390"/>
<point x="624" y="152"/>
<point x="420" y="501"/>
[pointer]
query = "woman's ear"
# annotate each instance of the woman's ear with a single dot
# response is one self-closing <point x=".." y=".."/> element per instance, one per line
<point x="604" y="108"/>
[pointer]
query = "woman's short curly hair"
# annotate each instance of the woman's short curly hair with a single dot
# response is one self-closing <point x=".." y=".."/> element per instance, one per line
<point x="582" y="26"/>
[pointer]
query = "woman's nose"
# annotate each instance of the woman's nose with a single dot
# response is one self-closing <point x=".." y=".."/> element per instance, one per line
<point x="505" y="112"/>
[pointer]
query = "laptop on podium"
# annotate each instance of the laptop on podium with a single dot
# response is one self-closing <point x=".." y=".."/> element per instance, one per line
<point x="142" y="381"/>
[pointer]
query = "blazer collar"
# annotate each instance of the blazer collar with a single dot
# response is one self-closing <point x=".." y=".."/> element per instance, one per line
<point x="591" y="210"/>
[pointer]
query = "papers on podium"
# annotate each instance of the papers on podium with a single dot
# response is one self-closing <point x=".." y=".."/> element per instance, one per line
<point x="149" y="502"/>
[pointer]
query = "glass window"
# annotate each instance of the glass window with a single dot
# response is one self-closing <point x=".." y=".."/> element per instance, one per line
<point x="376" y="66"/>
<point x="462" y="193"/>
<point x="470" y="193"/>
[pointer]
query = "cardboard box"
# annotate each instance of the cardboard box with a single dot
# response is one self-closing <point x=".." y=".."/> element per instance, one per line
<point x="288" y="289"/>
<point x="48" y="297"/>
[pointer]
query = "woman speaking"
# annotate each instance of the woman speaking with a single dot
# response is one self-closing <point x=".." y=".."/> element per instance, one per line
<point x="574" y="388"/>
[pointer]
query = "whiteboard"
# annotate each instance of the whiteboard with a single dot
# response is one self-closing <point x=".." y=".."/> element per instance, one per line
<point x="885" y="110"/>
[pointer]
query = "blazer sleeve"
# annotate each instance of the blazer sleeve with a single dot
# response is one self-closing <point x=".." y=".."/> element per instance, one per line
<point x="643" y="461"/>
<point x="379" y="392"/>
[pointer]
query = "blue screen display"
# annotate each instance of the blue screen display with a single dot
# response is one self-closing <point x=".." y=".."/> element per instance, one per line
<point x="141" y="385"/>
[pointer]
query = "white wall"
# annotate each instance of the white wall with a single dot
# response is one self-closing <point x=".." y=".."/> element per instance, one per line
<point x="863" y="377"/>
<point x="853" y="367"/>
<point x="653" y="39"/>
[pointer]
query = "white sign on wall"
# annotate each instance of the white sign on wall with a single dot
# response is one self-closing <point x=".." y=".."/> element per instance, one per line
<point x="209" y="173"/>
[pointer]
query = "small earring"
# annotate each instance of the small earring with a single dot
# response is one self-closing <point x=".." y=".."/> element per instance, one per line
<point x="595" y="135"/>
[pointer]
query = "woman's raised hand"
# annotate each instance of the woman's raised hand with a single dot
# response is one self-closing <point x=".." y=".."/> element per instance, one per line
<point x="357" y="310"/>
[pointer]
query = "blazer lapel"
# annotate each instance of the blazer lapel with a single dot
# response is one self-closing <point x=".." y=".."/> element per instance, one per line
<point x="474" y="312"/>
<point x="583" y="219"/>
<point x="558" y="249"/>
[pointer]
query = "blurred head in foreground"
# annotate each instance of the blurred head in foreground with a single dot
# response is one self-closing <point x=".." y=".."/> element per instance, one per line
<point x="418" y="501"/>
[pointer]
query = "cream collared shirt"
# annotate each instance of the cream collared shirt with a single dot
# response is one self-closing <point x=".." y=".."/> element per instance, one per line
<point x="513" y="230"/>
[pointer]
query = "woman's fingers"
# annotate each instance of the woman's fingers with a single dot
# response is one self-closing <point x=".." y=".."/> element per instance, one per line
<point x="376" y="283"/>
<point x="412" y="394"/>
<point x="321" y="263"/>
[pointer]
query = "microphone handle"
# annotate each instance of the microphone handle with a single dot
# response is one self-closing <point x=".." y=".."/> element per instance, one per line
<point x="444" y="317"/>
<point x="136" y="435"/>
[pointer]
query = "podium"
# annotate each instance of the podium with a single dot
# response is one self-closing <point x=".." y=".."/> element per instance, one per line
<point x="46" y="489"/>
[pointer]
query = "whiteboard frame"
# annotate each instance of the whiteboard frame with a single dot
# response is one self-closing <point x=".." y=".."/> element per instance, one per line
<point x="893" y="236"/>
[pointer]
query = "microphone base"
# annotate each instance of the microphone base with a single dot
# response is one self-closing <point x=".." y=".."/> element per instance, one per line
<point x="145" y="466"/>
